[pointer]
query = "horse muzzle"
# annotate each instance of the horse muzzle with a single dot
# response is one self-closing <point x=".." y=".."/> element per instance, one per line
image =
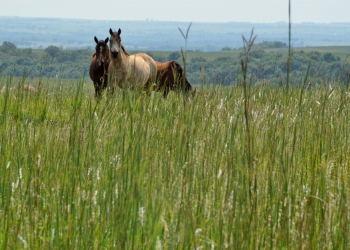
<point x="114" y="54"/>
<point x="100" y="63"/>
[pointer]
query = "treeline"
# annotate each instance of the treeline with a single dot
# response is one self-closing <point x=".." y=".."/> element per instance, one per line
<point x="51" y="62"/>
<point x="263" y="45"/>
<point x="269" y="66"/>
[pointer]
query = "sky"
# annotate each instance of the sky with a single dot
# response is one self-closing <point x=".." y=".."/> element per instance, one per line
<point x="255" y="11"/>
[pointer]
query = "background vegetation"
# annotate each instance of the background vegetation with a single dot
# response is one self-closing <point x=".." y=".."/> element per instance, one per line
<point x="268" y="63"/>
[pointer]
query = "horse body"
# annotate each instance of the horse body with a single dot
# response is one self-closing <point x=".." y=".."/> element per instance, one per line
<point x="170" y="77"/>
<point x="29" y="88"/>
<point x="129" y="71"/>
<point x="99" y="66"/>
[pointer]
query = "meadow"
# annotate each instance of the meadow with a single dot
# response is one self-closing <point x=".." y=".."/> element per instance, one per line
<point x="341" y="51"/>
<point x="230" y="168"/>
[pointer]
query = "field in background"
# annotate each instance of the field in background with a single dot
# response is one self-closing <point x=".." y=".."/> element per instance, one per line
<point x="157" y="35"/>
<point x="342" y="51"/>
<point x="144" y="172"/>
<point x="202" y="67"/>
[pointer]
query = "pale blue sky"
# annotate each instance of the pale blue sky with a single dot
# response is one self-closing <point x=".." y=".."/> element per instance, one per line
<point x="259" y="11"/>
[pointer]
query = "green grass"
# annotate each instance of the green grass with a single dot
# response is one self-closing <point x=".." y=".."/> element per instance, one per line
<point x="144" y="172"/>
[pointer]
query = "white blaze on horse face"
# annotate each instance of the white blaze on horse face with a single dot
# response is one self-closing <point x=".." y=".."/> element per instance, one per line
<point x="100" y="59"/>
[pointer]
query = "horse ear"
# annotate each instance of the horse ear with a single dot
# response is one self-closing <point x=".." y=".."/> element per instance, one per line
<point x="106" y="41"/>
<point x="111" y="31"/>
<point x="95" y="38"/>
<point x="119" y="31"/>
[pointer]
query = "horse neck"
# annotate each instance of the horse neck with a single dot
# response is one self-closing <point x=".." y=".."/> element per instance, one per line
<point x="123" y="58"/>
<point x="126" y="53"/>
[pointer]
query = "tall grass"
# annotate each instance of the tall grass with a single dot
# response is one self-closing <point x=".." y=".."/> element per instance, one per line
<point x="248" y="44"/>
<point x="144" y="172"/>
<point x="184" y="56"/>
<point x="251" y="167"/>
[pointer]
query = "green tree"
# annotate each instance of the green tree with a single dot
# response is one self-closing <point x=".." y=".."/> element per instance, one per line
<point x="52" y="50"/>
<point x="329" y="57"/>
<point x="174" y="56"/>
<point x="27" y="51"/>
<point x="258" y="54"/>
<point x="9" y="45"/>
<point x="226" y="49"/>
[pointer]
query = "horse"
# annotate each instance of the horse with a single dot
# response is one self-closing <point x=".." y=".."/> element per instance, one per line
<point x="29" y="88"/>
<point x="99" y="66"/>
<point x="170" y="77"/>
<point x="129" y="71"/>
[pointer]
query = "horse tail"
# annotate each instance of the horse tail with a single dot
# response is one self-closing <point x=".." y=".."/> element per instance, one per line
<point x="180" y="73"/>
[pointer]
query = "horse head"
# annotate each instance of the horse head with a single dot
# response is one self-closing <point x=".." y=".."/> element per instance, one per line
<point x="102" y="51"/>
<point x="115" y="42"/>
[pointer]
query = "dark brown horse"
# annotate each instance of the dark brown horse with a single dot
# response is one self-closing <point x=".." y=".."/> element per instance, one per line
<point x="170" y="77"/>
<point x="99" y="66"/>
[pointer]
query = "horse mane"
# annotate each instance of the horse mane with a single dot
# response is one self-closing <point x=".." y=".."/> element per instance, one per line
<point x="178" y="67"/>
<point x="180" y="71"/>
<point x="126" y="53"/>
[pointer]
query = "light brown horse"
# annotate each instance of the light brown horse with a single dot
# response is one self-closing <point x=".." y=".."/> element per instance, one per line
<point x="29" y="88"/>
<point x="99" y="66"/>
<point x="129" y="71"/>
<point x="170" y="77"/>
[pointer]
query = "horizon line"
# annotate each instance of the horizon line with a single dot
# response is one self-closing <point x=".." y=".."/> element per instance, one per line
<point x="172" y="21"/>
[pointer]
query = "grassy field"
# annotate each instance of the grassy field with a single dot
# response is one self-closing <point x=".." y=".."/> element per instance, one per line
<point x="143" y="172"/>
<point x="342" y="51"/>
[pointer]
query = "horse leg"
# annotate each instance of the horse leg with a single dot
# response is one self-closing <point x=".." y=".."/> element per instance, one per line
<point x="112" y="82"/>
<point x="111" y="90"/>
<point x="149" y="87"/>
<point x="166" y="92"/>
<point x="97" y="89"/>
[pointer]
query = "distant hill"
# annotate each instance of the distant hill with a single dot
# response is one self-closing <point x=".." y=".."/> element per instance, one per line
<point x="39" y="33"/>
